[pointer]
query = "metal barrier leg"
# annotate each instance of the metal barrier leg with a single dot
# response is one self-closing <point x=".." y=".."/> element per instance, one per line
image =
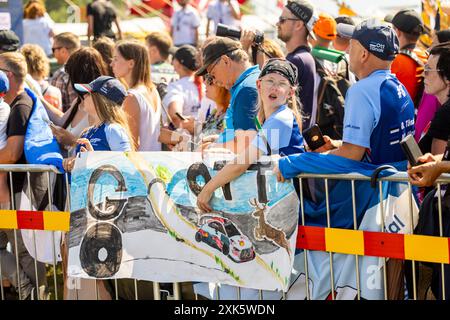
<point x="156" y="291"/>
<point x="238" y="289"/>
<point x="380" y="184"/>
<point x="302" y="210"/>
<point x="67" y="208"/>
<point x="2" y="293"/>
<point x="96" y="289"/>
<point x="116" y="289"/>
<point x="218" y="291"/>
<point x="136" y="296"/>
<point x="176" y="291"/>
<point x="34" y="238"/>
<point x="355" y="227"/>
<point x="441" y="232"/>
<point x="50" y="203"/>
<point x="16" y="251"/>
<point x="333" y="297"/>
<point x="413" y="263"/>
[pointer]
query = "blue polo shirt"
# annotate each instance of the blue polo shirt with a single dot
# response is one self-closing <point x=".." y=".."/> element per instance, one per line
<point x="243" y="104"/>
<point x="379" y="113"/>
<point x="280" y="132"/>
<point x="107" y="137"/>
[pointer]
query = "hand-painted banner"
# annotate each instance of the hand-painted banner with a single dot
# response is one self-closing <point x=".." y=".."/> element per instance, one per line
<point x="134" y="215"/>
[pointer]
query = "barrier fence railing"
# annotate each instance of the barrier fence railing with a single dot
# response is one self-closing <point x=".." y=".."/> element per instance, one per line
<point x="416" y="248"/>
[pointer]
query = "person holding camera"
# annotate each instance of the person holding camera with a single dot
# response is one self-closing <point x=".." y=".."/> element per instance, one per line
<point x="228" y="65"/>
<point x="260" y="49"/>
<point x="294" y="26"/>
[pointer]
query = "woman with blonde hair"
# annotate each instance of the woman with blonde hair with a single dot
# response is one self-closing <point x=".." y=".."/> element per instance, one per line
<point x="38" y="26"/>
<point x="278" y="122"/>
<point x="142" y="105"/>
<point x="39" y="67"/>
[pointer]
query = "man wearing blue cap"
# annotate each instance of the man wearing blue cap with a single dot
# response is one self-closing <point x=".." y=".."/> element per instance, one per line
<point x="379" y="112"/>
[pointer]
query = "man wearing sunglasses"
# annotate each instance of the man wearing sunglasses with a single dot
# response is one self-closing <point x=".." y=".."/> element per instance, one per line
<point x="64" y="45"/>
<point x="294" y="26"/>
<point x="228" y="66"/>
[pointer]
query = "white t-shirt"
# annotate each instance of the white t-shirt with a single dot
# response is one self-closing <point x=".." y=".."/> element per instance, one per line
<point x="185" y="92"/>
<point x="4" y="115"/>
<point x="36" y="31"/>
<point x="220" y="12"/>
<point x="33" y="85"/>
<point x="149" y="127"/>
<point x="184" y="24"/>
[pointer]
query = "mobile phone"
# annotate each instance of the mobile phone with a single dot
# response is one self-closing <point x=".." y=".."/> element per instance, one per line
<point x="180" y="116"/>
<point x="313" y="137"/>
<point x="411" y="150"/>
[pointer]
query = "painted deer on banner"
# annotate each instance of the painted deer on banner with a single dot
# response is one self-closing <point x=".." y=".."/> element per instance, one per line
<point x="265" y="231"/>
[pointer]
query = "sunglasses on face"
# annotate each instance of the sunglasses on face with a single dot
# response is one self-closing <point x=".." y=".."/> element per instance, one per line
<point x="282" y="20"/>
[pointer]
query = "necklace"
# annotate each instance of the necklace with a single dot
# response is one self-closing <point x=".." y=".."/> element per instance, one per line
<point x="93" y="130"/>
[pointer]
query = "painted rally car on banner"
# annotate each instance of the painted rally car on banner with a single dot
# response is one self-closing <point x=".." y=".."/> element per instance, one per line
<point x="222" y="234"/>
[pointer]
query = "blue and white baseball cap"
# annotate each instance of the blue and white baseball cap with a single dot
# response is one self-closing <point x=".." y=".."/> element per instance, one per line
<point x="4" y="84"/>
<point x="377" y="37"/>
<point x="109" y="87"/>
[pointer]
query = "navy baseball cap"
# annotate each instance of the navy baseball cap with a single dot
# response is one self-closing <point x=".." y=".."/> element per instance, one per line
<point x="109" y="87"/>
<point x="4" y="84"/>
<point x="407" y="20"/>
<point x="378" y="38"/>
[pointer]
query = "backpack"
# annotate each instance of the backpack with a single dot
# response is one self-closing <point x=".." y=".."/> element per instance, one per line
<point x="420" y="60"/>
<point x="331" y="98"/>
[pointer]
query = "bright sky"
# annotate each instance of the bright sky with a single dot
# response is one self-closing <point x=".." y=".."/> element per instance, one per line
<point x="363" y="7"/>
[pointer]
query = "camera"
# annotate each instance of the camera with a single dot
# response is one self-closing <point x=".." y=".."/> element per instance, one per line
<point x="226" y="31"/>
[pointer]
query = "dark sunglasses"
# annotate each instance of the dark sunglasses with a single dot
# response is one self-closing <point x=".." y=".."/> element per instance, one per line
<point x="281" y="20"/>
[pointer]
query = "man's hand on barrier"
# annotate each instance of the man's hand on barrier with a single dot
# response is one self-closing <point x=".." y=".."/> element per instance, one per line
<point x="277" y="172"/>
<point x="330" y="144"/>
<point x="425" y="174"/>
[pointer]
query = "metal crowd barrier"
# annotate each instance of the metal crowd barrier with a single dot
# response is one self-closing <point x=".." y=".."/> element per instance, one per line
<point x="49" y="171"/>
<point x="352" y="178"/>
